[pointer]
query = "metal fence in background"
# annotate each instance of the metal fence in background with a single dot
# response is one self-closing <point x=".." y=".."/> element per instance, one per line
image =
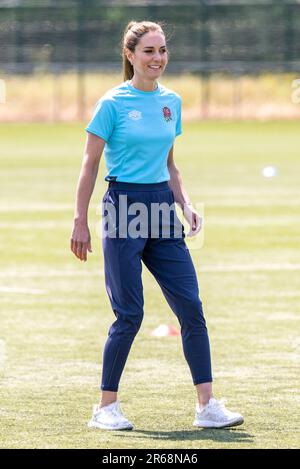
<point x="236" y="37"/>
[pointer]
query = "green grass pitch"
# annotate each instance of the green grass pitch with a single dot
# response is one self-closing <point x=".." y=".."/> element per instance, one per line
<point x="55" y="313"/>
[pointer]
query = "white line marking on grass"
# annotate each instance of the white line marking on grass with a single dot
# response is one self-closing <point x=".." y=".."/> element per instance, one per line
<point x="260" y="221"/>
<point x="32" y="207"/>
<point x="36" y="224"/>
<point x="248" y="267"/>
<point x="51" y="273"/>
<point x="2" y="353"/>
<point x="48" y="373"/>
<point x="283" y="316"/>
<point x="32" y="291"/>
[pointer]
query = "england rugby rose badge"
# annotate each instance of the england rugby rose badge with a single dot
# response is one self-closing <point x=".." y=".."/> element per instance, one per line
<point x="167" y="114"/>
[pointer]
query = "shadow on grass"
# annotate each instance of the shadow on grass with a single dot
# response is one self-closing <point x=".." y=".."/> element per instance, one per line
<point x="229" y="435"/>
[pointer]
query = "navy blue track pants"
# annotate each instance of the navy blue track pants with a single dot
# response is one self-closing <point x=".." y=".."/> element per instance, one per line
<point x="170" y="262"/>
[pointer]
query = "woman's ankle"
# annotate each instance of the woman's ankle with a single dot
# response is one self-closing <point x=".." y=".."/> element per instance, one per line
<point x="105" y="404"/>
<point x="205" y="392"/>
<point x="204" y="402"/>
<point x="107" y="398"/>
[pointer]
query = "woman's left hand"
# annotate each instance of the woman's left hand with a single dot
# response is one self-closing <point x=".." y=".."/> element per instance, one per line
<point x="193" y="218"/>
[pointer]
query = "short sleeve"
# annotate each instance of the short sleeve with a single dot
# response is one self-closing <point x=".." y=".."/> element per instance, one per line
<point x="103" y="119"/>
<point x="178" y="122"/>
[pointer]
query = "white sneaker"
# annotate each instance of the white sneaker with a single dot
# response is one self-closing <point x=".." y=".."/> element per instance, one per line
<point x="109" y="417"/>
<point x="215" y="415"/>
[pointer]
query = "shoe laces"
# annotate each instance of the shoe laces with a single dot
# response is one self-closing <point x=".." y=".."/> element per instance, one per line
<point x="116" y="411"/>
<point x="113" y="410"/>
<point x="221" y="403"/>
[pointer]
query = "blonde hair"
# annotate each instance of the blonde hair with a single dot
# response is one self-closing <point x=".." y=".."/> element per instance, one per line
<point x="132" y="35"/>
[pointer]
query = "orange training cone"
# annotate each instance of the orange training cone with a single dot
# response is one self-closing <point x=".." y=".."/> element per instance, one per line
<point x="163" y="330"/>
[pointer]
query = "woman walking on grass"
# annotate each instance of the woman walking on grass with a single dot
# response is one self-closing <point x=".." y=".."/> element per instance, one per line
<point x="137" y="122"/>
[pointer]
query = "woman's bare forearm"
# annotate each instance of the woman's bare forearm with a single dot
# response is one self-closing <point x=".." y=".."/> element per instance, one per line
<point x="85" y="187"/>
<point x="176" y="185"/>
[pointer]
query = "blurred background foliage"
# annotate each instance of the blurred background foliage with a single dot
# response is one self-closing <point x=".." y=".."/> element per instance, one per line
<point x="228" y="58"/>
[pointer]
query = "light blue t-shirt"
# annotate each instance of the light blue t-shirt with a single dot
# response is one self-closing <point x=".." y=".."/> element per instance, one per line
<point x="139" y="128"/>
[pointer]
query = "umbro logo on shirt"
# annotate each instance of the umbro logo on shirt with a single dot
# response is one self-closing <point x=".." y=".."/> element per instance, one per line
<point x="135" y="115"/>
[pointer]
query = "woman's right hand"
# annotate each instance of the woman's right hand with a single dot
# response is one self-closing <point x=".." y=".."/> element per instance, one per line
<point x="81" y="240"/>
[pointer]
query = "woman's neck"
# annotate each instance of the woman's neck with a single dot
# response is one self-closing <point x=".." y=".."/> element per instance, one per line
<point x="143" y="85"/>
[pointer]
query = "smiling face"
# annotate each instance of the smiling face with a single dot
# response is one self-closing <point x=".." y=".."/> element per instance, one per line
<point x="150" y="57"/>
